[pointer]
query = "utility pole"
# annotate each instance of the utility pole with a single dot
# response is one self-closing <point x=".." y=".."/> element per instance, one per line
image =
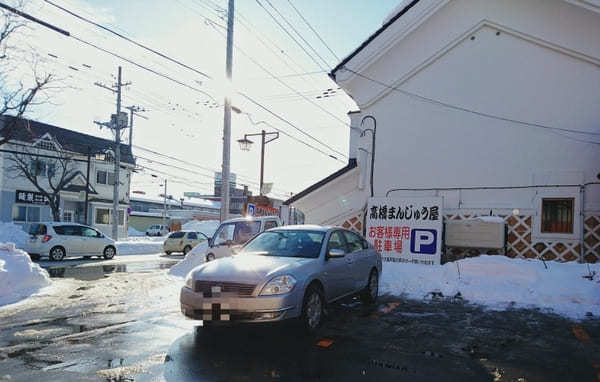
<point x="165" y="204"/>
<point x="227" y="117"/>
<point x="118" y="121"/>
<point x="87" y="186"/>
<point x="133" y="110"/>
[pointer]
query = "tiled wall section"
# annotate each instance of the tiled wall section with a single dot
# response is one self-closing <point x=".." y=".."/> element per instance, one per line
<point x="520" y="244"/>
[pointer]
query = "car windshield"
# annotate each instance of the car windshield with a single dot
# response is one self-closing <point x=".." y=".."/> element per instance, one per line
<point x="287" y="243"/>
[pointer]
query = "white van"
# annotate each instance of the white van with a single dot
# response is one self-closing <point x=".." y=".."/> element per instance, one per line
<point x="235" y="232"/>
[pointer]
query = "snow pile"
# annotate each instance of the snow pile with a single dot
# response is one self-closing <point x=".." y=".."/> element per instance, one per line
<point x="134" y="232"/>
<point x="207" y="227"/>
<point x="140" y="245"/>
<point x="195" y="257"/>
<point x="499" y="282"/>
<point x="12" y="233"/>
<point x="19" y="277"/>
<point x="489" y="219"/>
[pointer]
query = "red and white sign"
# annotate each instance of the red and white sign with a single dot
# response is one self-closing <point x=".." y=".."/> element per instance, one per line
<point x="406" y="230"/>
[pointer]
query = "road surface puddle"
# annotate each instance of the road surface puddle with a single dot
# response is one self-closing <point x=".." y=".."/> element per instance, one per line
<point x="89" y="273"/>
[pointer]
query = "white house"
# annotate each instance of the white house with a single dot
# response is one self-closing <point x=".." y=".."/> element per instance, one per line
<point x="492" y="105"/>
<point x="42" y="144"/>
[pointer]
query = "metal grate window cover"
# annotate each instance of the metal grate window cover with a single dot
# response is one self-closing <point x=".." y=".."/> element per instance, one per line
<point x="557" y="215"/>
<point x="226" y="287"/>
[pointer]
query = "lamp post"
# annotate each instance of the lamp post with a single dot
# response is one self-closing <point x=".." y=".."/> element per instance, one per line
<point x="245" y="144"/>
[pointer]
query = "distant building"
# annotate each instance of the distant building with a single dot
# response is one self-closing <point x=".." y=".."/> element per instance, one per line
<point x="22" y="203"/>
<point x="237" y="196"/>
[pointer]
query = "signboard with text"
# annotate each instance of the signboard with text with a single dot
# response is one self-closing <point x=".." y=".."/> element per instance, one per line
<point x="30" y="197"/>
<point x="406" y="230"/>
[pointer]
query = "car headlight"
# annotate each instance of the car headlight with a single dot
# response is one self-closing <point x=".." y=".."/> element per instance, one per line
<point x="189" y="280"/>
<point x="279" y="285"/>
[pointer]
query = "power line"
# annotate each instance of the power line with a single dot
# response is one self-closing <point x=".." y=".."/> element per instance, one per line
<point x="290" y="35"/>
<point x="297" y="33"/>
<point x="129" y="39"/>
<point x="313" y="29"/>
<point x="464" y="109"/>
<point x="294" y="126"/>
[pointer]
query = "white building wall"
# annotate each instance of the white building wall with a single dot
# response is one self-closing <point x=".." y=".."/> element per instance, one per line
<point x="533" y="61"/>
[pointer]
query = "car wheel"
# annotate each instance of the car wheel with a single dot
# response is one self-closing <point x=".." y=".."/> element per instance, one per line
<point x="210" y="257"/>
<point x="369" y="294"/>
<point x="312" y="309"/>
<point x="57" y="253"/>
<point x="186" y="249"/>
<point x="109" y="252"/>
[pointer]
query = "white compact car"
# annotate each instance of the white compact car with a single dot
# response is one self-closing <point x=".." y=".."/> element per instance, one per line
<point x="157" y="230"/>
<point x="59" y="240"/>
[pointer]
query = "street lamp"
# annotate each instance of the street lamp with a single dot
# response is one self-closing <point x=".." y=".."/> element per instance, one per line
<point x="245" y="145"/>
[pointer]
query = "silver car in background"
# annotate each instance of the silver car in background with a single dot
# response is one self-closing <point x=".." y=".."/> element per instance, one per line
<point x="284" y="273"/>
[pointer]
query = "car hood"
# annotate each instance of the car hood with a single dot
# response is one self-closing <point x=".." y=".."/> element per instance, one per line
<point x="247" y="268"/>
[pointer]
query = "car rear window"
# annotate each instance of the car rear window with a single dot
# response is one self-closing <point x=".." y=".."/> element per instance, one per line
<point x="37" y="229"/>
<point x="176" y="235"/>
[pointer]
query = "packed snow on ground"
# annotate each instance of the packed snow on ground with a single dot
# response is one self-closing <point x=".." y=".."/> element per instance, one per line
<point x="140" y="245"/>
<point x="19" y="276"/>
<point x="207" y="227"/>
<point x="134" y="232"/>
<point x="195" y="257"/>
<point x="499" y="282"/>
<point x="12" y="233"/>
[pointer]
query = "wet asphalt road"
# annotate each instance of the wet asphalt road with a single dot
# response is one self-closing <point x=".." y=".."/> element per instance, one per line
<point x="126" y="326"/>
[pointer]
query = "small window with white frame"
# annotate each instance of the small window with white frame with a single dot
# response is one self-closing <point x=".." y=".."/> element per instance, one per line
<point x="557" y="215"/>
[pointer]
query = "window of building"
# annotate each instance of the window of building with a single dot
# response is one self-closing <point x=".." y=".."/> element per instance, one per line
<point x="39" y="167"/>
<point x="68" y="216"/>
<point x="26" y="213"/>
<point x="105" y="177"/>
<point x="46" y="144"/>
<point x="104" y="216"/>
<point x="557" y="215"/>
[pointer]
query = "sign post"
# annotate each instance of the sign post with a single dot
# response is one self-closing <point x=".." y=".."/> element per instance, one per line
<point x="406" y="230"/>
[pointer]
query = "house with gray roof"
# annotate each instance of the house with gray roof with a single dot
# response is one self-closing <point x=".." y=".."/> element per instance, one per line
<point x="45" y="147"/>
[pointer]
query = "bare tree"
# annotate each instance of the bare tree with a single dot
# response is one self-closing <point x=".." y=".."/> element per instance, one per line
<point x="49" y="174"/>
<point x="18" y="91"/>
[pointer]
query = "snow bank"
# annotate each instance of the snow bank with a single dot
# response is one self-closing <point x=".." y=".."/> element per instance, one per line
<point x="19" y="276"/>
<point x="195" y="257"/>
<point x="207" y="227"/>
<point x="134" y="232"/>
<point x="140" y="245"/>
<point x="499" y="282"/>
<point x="12" y="233"/>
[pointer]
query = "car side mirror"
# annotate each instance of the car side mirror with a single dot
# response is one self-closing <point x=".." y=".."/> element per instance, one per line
<point x="335" y="253"/>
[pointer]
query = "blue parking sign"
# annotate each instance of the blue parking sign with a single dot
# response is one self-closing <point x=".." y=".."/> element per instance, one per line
<point x="423" y="241"/>
<point x="250" y="209"/>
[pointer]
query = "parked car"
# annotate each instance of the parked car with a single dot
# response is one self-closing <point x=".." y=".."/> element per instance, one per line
<point x="183" y="241"/>
<point x="233" y="233"/>
<point x="157" y="230"/>
<point x="59" y="240"/>
<point x="284" y="273"/>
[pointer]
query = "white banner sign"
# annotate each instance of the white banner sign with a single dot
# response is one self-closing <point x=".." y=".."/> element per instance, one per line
<point x="406" y="230"/>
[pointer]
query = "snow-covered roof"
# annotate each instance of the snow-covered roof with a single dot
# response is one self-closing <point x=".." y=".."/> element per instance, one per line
<point x="172" y="202"/>
<point x="398" y="8"/>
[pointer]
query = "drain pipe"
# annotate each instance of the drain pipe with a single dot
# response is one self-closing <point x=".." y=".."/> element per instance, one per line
<point x="373" y="132"/>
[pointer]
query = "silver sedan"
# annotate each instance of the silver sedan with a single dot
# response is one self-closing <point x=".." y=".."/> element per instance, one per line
<point x="286" y="272"/>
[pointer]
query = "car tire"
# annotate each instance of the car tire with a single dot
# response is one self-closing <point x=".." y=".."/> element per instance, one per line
<point x="313" y="309"/>
<point x="109" y="252"/>
<point x="210" y="257"/>
<point x="57" y="253"/>
<point x="186" y="249"/>
<point x="371" y="291"/>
